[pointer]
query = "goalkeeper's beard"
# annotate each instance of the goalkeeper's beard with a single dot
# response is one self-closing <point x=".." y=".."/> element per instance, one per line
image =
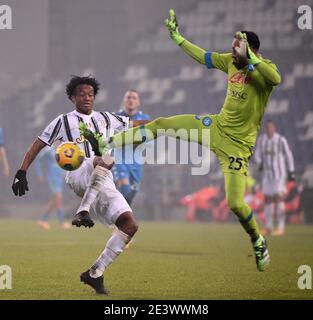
<point x="240" y="63"/>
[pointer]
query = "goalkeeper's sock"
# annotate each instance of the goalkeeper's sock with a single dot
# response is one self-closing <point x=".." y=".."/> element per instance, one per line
<point x="114" y="247"/>
<point x="97" y="179"/>
<point x="269" y="212"/>
<point x="250" y="224"/>
<point x="281" y="215"/>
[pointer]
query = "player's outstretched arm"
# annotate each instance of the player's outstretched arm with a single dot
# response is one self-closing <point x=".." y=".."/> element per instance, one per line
<point x="269" y="73"/>
<point x="20" y="184"/>
<point x="191" y="49"/>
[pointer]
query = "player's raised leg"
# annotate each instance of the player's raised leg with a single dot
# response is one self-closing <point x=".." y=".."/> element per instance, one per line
<point x="235" y="185"/>
<point x="97" y="179"/>
<point x="189" y="127"/>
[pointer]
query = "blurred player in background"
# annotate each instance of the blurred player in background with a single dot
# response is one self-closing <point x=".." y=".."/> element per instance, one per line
<point x="93" y="180"/>
<point x="128" y="171"/>
<point x="276" y="162"/>
<point x="55" y="179"/>
<point x="200" y="203"/>
<point x="3" y="156"/>
<point x="233" y="132"/>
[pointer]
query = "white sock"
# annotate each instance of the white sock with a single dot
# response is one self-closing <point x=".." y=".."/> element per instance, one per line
<point x="269" y="212"/>
<point x="114" y="247"/>
<point x="281" y="217"/>
<point x="97" y="180"/>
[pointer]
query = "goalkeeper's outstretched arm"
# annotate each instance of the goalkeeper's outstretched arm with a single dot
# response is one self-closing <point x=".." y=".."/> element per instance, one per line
<point x="191" y="49"/>
<point x="194" y="51"/>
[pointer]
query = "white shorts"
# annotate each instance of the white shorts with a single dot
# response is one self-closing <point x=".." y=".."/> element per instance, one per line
<point x="109" y="204"/>
<point x="273" y="187"/>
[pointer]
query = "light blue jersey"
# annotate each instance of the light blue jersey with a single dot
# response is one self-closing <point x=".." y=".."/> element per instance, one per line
<point x="126" y="167"/>
<point x="125" y="155"/>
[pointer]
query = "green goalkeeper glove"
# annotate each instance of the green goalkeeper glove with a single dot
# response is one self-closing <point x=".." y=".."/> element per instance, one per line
<point x="172" y="26"/>
<point x="98" y="143"/>
<point x="251" y="56"/>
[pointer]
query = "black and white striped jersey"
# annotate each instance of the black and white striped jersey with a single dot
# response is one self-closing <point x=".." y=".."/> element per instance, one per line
<point x="65" y="127"/>
<point x="275" y="156"/>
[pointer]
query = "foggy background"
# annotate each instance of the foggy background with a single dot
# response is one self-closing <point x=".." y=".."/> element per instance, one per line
<point x="124" y="44"/>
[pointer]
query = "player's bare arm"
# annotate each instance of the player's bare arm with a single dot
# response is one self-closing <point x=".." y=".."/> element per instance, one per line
<point x="32" y="153"/>
<point x="20" y="184"/>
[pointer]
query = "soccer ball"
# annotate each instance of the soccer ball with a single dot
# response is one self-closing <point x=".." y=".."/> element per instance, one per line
<point x="69" y="156"/>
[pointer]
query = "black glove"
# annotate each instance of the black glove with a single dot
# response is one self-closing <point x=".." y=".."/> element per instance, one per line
<point x="291" y="176"/>
<point x="20" y="184"/>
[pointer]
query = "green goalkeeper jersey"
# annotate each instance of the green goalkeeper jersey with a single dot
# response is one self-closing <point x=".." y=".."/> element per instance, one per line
<point x="246" y="99"/>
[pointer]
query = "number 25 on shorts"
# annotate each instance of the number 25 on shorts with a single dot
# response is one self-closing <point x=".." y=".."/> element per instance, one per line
<point x="235" y="163"/>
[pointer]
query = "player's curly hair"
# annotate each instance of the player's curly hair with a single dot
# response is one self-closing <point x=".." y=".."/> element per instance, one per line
<point x="253" y="39"/>
<point x="76" y="81"/>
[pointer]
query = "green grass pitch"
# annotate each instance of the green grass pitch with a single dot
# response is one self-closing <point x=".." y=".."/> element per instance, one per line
<point x="166" y="261"/>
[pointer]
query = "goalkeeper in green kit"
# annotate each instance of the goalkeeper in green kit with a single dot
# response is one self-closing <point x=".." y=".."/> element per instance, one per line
<point x="233" y="132"/>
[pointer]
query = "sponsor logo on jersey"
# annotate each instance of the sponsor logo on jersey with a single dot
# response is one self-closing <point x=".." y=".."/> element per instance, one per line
<point x="81" y="139"/>
<point x="237" y="94"/>
<point x="206" y="121"/>
<point x="239" y="78"/>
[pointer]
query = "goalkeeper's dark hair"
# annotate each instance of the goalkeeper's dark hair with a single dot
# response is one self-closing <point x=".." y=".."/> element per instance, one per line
<point x="76" y="81"/>
<point x="253" y="39"/>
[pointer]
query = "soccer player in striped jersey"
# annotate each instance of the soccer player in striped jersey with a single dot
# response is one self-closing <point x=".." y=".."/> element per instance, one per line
<point x="275" y="159"/>
<point x="233" y="132"/>
<point x="93" y="180"/>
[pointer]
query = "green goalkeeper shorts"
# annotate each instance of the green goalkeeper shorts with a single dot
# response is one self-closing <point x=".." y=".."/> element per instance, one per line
<point x="233" y="155"/>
